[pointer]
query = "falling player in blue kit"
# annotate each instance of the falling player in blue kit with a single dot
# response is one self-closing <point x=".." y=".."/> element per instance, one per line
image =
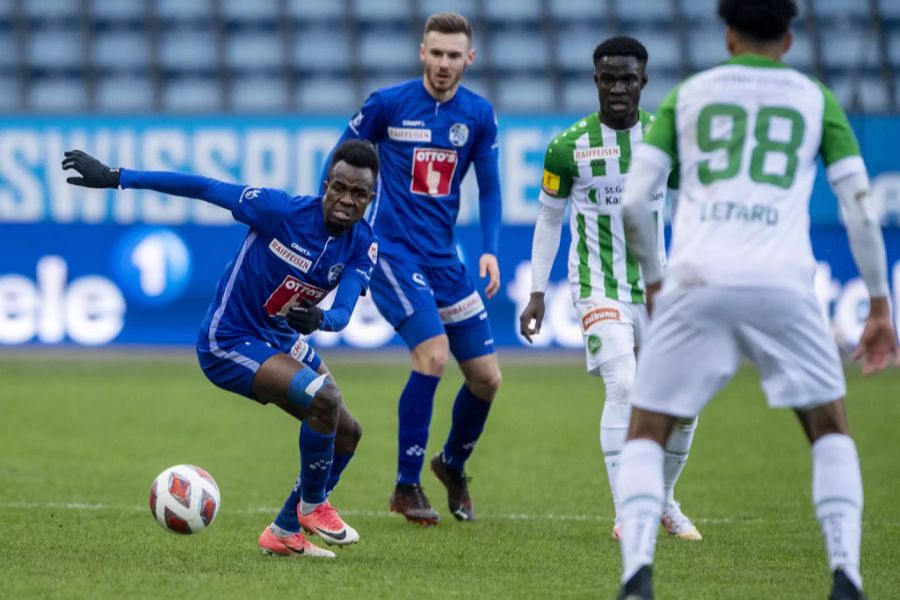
<point x="429" y="130"/>
<point x="296" y="251"/>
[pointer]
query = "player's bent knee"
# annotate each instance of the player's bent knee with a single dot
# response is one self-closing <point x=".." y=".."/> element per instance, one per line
<point x="431" y="360"/>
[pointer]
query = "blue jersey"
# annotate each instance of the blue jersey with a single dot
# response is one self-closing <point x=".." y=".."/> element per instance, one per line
<point x="426" y="148"/>
<point x="287" y="257"/>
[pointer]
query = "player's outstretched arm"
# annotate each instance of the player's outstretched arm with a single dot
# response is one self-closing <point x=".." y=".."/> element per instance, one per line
<point x="95" y="174"/>
<point x="544" y="247"/>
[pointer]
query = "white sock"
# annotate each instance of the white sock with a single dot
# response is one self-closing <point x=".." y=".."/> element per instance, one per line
<point x="308" y="507"/>
<point x="279" y="531"/>
<point x="640" y="488"/>
<point x="838" y="500"/>
<point x="677" y="449"/>
<point x="613" y="431"/>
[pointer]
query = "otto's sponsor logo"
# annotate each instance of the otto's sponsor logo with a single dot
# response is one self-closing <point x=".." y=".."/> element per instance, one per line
<point x="249" y="194"/>
<point x="409" y="134"/>
<point x="589" y="154"/>
<point x="432" y="171"/>
<point x="459" y="134"/>
<point x="599" y="315"/>
<point x="289" y="294"/>
<point x="373" y="252"/>
<point x="289" y="256"/>
<point x="468" y="307"/>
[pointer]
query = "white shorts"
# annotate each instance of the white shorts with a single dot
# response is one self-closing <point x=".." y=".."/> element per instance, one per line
<point x="697" y="338"/>
<point x="610" y="329"/>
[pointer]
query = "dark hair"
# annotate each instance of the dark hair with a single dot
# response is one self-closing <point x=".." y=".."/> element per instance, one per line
<point x="621" y="45"/>
<point x="762" y="20"/>
<point x="357" y="153"/>
<point x="448" y="22"/>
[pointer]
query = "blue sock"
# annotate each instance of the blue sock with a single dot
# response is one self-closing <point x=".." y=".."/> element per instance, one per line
<point x="414" y="412"/>
<point x="316" y="454"/>
<point x="287" y="518"/>
<point x="338" y="465"/>
<point x="469" y="415"/>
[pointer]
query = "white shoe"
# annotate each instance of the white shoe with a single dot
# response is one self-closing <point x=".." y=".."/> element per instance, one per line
<point x="677" y="524"/>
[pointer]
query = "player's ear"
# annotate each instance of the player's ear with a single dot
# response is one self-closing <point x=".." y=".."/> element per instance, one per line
<point x="325" y="185"/>
<point x="470" y="56"/>
<point x="422" y="51"/>
<point x="644" y="77"/>
<point x="787" y="41"/>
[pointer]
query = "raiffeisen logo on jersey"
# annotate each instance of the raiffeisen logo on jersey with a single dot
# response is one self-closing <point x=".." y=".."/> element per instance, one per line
<point x="432" y="171"/>
<point x="409" y="134"/>
<point x="589" y="154"/>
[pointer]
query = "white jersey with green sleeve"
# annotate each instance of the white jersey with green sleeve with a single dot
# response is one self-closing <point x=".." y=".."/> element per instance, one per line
<point x="745" y="136"/>
<point x="586" y="165"/>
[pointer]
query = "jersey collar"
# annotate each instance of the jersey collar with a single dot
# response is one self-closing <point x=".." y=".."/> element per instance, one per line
<point x="755" y="60"/>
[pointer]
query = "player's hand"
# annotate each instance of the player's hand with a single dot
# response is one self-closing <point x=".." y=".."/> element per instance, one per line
<point x="533" y="312"/>
<point x="487" y="267"/>
<point x="305" y="318"/>
<point x="94" y="174"/>
<point x="651" y="291"/>
<point x="878" y="343"/>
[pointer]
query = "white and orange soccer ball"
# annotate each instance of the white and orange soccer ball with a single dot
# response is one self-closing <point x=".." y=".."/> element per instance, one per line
<point x="184" y="499"/>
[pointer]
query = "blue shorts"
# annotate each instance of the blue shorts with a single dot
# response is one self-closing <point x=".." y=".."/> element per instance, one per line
<point x="421" y="302"/>
<point x="231" y="363"/>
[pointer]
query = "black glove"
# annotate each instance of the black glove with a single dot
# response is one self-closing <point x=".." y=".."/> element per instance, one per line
<point x="94" y="174"/>
<point x="305" y="318"/>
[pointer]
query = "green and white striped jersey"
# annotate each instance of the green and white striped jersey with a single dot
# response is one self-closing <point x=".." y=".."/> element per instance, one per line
<point x="586" y="165"/>
<point x="744" y="136"/>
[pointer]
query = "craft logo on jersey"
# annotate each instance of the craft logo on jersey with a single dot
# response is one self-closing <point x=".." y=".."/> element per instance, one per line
<point x="289" y="294"/>
<point x="334" y="273"/>
<point x="409" y="134"/>
<point x="588" y="154"/>
<point x="432" y="171"/>
<point x="459" y="134"/>
<point x="289" y="256"/>
<point x="598" y="315"/>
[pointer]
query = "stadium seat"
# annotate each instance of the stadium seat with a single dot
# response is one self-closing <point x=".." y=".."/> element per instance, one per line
<point x="864" y="94"/>
<point x="518" y="50"/>
<point x="524" y="94"/>
<point x="700" y="11"/>
<point x="579" y="97"/>
<point x="662" y="48"/>
<point x="657" y="89"/>
<point x="54" y="48"/>
<point x="707" y="48"/>
<point x="307" y="11"/>
<point x="845" y="47"/>
<point x="644" y="12"/>
<point x="192" y="94"/>
<point x="9" y="93"/>
<point x="578" y="12"/>
<point x="124" y="94"/>
<point x="179" y="10"/>
<point x="187" y="49"/>
<point x="121" y="50"/>
<point x="58" y="94"/>
<point x="327" y="95"/>
<point x="381" y="80"/>
<point x="382" y="11"/>
<point x="800" y="56"/>
<point x="477" y="84"/>
<point x="842" y="11"/>
<point x="468" y="8"/>
<point x="321" y="51"/>
<point x="513" y="12"/>
<point x="244" y="13"/>
<point x="254" y="51"/>
<point x="388" y="49"/>
<point x="574" y="48"/>
<point x="118" y="11"/>
<point x="9" y="52"/>
<point x="62" y="11"/>
<point x="259" y="94"/>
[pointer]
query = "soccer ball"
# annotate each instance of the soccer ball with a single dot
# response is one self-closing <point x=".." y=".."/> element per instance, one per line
<point x="184" y="499"/>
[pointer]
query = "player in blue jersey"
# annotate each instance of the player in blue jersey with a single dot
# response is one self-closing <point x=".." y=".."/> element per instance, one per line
<point x="296" y="251"/>
<point x="429" y="131"/>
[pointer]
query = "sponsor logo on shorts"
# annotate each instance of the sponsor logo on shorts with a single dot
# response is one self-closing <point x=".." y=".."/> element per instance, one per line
<point x="466" y="308"/>
<point x="594" y="344"/>
<point x="299" y="350"/>
<point x="289" y="256"/>
<point x="409" y="134"/>
<point x="432" y="171"/>
<point x="598" y="315"/>
<point x="588" y="154"/>
<point x="459" y="134"/>
<point x="550" y="183"/>
<point x="289" y="294"/>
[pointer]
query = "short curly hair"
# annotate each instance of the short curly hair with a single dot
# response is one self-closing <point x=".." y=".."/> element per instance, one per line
<point x="621" y="46"/>
<point x="762" y="20"/>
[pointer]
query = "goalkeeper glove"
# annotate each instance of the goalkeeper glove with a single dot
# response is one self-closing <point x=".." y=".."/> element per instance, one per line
<point x="305" y="318"/>
<point x="94" y="174"/>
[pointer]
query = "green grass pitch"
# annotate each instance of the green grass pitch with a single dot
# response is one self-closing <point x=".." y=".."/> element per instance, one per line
<point x="81" y="441"/>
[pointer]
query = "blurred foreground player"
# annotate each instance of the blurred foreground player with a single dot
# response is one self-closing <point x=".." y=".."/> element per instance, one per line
<point x="586" y="166"/>
<point x="745" y="136"/>
<point x="429" y="131"/>
<point x="297" y="250"/>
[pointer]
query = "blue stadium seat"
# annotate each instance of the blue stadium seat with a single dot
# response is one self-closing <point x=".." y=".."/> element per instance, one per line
<point x="519" y="50"/>
<point x="662" y="48"/>
<point x="9" y="93"/>
<point x="259" y="94"/>
<point x="327" y="95"/>
<point x="578" y="12"/>
<point x="513" y="12"/>
<point x="467" y="8"/>
<point x="575" y="47"/>
<point x="7" y="9"/>
<point x="579" y="97"/>
<point x="842" y="11"/>
<point x="846" y="47"/>
<point x="893" y="52"/>
<point x="382" y="11"/>
<point x="9" y="52"/>
<point x="117" y="11"/>
<point x="321" y="51"/>
<point x="52" y="10"/>
<point x="307" y="10"/>
<point x="524" y="94"/>
<point x="180" y="10"/>
<point x="867" y="93"/>
<point x="55" y="48"/>
<point x="706" y="47"/>
<point x="656" y="90"/>
<point x="700" y="11"/>
<point x="379" y="49"/>
<point x="187" y="49"/>
<point x="242" y="12"/>
<point x="124" y="94"/>
<point x="643" y="12"/>
<point x="58" y="94"/>
<point x="254" y="51"/>
<point x="800" y="56"/>
<point x="477" y="84"/>
<point x="121" y="50"/>
<point x="194" y="94"/>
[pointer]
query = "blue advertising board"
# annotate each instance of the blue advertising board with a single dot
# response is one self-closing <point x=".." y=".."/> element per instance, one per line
<point x="98" y="267"/>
